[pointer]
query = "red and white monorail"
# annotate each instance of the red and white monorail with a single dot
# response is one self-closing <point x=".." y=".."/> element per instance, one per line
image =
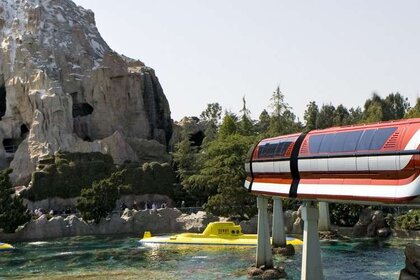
<point x="374" y="164"/>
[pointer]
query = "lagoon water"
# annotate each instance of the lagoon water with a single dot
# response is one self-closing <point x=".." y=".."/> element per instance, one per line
<point x="115" y="258"/>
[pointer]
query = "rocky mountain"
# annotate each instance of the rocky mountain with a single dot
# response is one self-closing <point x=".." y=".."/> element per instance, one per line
<point x="63" y="88"/>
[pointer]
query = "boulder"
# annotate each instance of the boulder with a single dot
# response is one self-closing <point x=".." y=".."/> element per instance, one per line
<point x="196" y="222"/>
<point x="412" y="263"/>
<point x="371" y="223"/>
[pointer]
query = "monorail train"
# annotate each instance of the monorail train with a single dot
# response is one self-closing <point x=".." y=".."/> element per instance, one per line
<point x="372" y="164"/>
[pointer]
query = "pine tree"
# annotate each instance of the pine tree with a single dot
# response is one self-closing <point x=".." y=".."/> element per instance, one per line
<point x="310" y="116"/>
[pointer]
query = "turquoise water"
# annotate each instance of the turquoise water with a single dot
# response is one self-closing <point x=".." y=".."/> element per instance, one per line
<point x="124" y="258"/>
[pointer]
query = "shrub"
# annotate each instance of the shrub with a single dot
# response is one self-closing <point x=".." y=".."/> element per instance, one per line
<point x="99" y="201"/>
<point x="409" y="221"/>
<point x="149" y="178"/>
<point x="12" y="211"/>
<point x="345" y="215"/>
<point x="65" y="174"/>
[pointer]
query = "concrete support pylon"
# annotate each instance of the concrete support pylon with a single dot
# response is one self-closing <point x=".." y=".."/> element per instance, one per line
<point x="264" y="254"/>
<point x="311" y="254"/>
<point x="324" y="223"/>
<point x="279" y="235"/>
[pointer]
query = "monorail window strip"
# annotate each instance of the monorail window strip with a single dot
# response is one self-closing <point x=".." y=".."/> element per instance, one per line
<point x="348" y="155"/>
<point x="350" y="141"/>
<point x="270" y="150"/>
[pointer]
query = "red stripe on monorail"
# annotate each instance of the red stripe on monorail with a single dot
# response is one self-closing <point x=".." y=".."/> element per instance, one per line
<point x="342" y="181"/>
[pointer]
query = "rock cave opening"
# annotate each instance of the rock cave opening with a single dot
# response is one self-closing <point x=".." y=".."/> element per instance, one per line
<point x="2" y="98"/>
<point x="197" y="138"/>
<point x="82" y="109"/>
<point x="24" y="130"/>
<point x="81" y="121"/>
<point x="10" y="145"/>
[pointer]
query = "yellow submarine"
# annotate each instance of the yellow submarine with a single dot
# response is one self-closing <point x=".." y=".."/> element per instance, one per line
<point x="216" y="233"/>
<point x="5" y="247"/>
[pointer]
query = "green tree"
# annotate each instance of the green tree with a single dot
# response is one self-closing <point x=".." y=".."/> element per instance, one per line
<point x="356" y="115"/>
<point x="414" y="112"/>
<point x="341" y="116"/>
<point x="325" y="116"/>
<point x="245" y="125"/>
<point x="98" y="201"/>
<point x="393" y="107"/>
<point x="211" y="115"/>
<point x="282" y="119"/>
<point x="278" y="105"/>
<point x="310" y="116"/>
<point x="263" y="122"/>
<point x="222" y="176"/>
<point x="229" y="125"/>
<point x="12" y="211"/>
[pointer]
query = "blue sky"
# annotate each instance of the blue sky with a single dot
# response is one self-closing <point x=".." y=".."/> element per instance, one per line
<point x="221" y="50"/>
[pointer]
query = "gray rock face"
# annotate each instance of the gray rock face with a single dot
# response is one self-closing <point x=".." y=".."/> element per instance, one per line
<point x="371" y="223"/>
<point x="130" y="222"/>
<point x="63" y="88"/>
<point x="412" y="263"/>
<point x="196" y="222"/>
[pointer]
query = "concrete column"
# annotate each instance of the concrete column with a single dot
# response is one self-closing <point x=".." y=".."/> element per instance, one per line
<point x="264" y="254"/>
<point x="324" y="217"/>
<point x="279" y="236"/>
<point x="311" y="254"/>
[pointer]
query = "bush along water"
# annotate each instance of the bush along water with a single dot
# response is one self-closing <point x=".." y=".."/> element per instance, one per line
<point x="98" y="201"/>
<point x="12" y="211"/>
<point x="409" y="220"/>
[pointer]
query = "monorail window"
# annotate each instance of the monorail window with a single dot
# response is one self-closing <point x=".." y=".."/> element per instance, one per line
<point x="326" y="143"/>
<point x="314" y="143"/>
<point x="351" y="139"/>
<point x="371" y="139"/>
<point x="282" y="148"/>
<point x="276" y="149"/>
<point x="365" y="140"/>
<point x="380" y="137"/>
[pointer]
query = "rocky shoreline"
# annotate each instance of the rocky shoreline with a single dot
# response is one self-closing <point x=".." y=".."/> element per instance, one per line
<point x="159" y="221"/>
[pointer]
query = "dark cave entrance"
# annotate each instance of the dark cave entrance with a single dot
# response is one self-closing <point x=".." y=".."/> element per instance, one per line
<point x="10" y="145"/>
<point x="2" y="98"/>
<point x="197" y="139"/>
<point x="82" y="109"/>
<point x="81" y="120"/>
<point x="24" y="130"/>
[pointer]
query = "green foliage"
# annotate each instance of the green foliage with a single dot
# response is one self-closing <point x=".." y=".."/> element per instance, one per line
<point x="186" y="161"/>
<point x="325" y="117"/>
<point x="151" y="177"/>
<point x="393" y="107"/>
<point x="341" y="116"/>
<point x="345" y="215"/>
<point x="99" y="201"/>
<point x="228" y="126"/>
<point x="409" y="220"/>
<point x="211" y="116"/>
<point x="310" y="116"/>
<point x="245" y="125"/>
<point x="415" y="111"/>
<point x="12" y="211"/>
<point x="65" y="174"/>
<point x="222" y="176"/>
